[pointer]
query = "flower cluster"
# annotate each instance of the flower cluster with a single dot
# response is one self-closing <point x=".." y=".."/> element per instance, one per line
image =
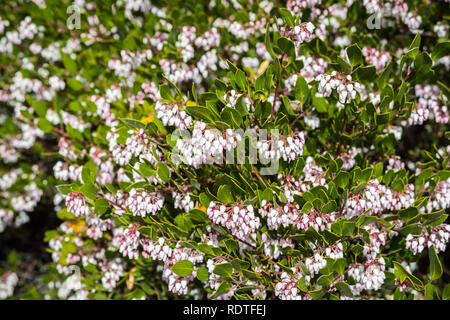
<point x="8" y="282"/>
<point x="241" y="220"/>
<point x="428" y="106"/>
<point x="142" y="203"/>
<point x="377" y="58"/>
<point x="286" y="147"/>
<point x="343" y="84"/>
<point x="313" y="175"/>
<point x="171" y="114"/>
<point x="159" y="250"/>
<point x="291" y="214"/>
<point x="177" y="284"/>
<point x="377" y="197"/>
<point x="206" y="145"/>
<point x="76" y="203"/>
<point x="370" y="276"/>
<point x="315" y="263"/>
<point x="439" y="198"/>
<point x="287" y="287"/>
<point x="272" y="246"/>
<point x="66" y="171"/>
<point x="298" y="34"/>
<point x="182" y="201"/>
<point x="127" y="241"/>
<point x="137" y="144"/>
<point x="335" y="251"/>
<point x="211" y="38"/>
<point x="437" y="236"/>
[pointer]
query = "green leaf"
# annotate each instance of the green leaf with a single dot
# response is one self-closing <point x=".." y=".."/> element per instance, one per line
<point x="302" y="284"/>
<point x="446" y="292"/>
<point x="368" y="73"/>
<point x="64" y="188"/>
<point x="399" y="295"/>
<point x="408" y="213"/>
<point x="342" y="179"/>
<point x="251" y="275"/>
<point x="223" y="288"/>
<point x="201" y="113"/>
<point x="355" y="55"/>
<point x="268" y="43"/>
<point x="231" y="116"/>
<point x="88" y="190"/>
<point x="224" y="194"/>
<point x="302" y="90"/>
<point x="111" y="188"/>
<point x="348" y="228"/>
<point x="445" y="89"/>
<point x="75" y="84"/>
<point x="402" y="274"/>
<point x="287" y="105"/>
<point x="165" y="92"/>
<point x="413" y="49"/>
<point x="429" y="291"/>
<point x="223" y="269"/>
<point x="241" y="79"/>
<point x="357" y="249"/>
<point x="320" y="104"/>
<point x="45" y="125"/>
<point x="343" y="288"/>
<point x="435" y="264"/>
<point x="343" y="66"/>
<point x="86" y="175"/>
<point x="423" y="63"/>
<point x="317" y="294"/>
<point x="204" y="200"/>
<point x="276" y="65"/>
<point x="174" y="86"/>
<point x="40" y="107"/>
<point x="287" y="46"/>
<point x="50" y="235"/>
<point x="434" y="219"/>
<point x="69" y="64"/>
<point x="325" y="280"/>
<point x="101" y="206"/>
<point x="182" y="220"/>
<point x="329" y="207"/>
<point x="378" y="169"/>
<point x="440" y="50"/>
<point x="163" y="172"/>
<point x="382" y="119"/>
<point x="146" y="170"/>
<point x="366" y="174"/>
<point x="136" y="185"/>
<point x="287" y="17"/>
<point x="240" y="265"/>
<point x="340" y="265"/>
<point x="197" y="215"/>
<point x="91" y="106"/>
<point x="65" y="215"/>
<point x="183" y="268"/>
<point x="384" y="75"/>
<point x="133" y="123"/>
<point x="202" y="274"/>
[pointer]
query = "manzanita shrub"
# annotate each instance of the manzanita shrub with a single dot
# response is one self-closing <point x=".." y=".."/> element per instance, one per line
<point x="229" y="149"/>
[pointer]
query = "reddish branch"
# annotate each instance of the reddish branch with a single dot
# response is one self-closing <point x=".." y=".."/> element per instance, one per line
<point x="277" y="87"/>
